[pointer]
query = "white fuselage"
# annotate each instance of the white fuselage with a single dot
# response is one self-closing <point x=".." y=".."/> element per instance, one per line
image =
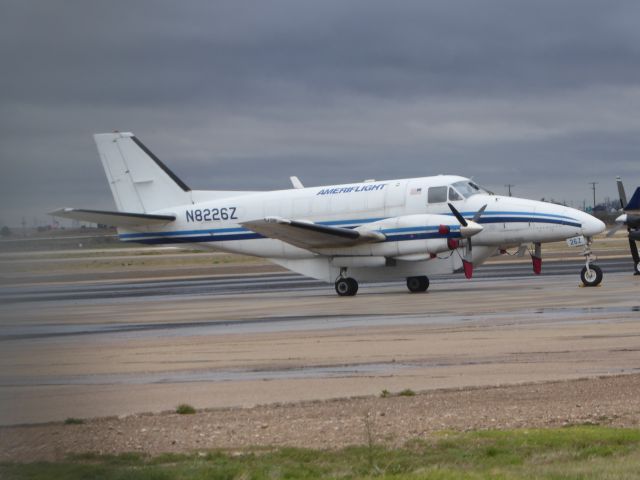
<point x="506" y="221"/>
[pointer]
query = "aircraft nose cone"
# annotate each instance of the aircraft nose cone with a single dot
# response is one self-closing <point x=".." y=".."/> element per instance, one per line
<point x="471" y="229"/>
<point x="622" y="218"/>
<point x="592" y="226"/>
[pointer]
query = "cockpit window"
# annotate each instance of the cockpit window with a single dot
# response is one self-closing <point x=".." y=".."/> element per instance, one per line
<point x="437" y="194"/>
<point x="453" y="195"/>
<point x="467" y="188"/>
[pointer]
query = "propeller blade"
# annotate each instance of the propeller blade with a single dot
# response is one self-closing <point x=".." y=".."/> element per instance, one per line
<point x="467" y="261"/>
<point x="468" y="229"/>
<point x="456" y="214"/>
<point x="479" y="213"/>
<point x="633" y="247"/>
<point x="613" y="231"/>
<point x="468" y="268"/>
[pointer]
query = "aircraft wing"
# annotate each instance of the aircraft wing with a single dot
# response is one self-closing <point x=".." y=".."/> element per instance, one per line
<point x="116" y="219"/>
<point x="310" y="235"/>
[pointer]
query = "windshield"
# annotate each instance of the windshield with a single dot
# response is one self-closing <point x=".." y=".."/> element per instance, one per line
<point x="466" y="188"/>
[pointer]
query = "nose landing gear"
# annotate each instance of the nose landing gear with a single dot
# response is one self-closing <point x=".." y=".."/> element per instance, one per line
<point x="591" y="274"/>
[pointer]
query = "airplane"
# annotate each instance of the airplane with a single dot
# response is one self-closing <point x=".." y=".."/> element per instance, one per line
<point x="405" y="229"/>
<point x="630" y="219"/>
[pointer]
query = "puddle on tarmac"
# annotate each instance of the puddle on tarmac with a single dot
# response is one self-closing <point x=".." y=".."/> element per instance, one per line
<point x="335" y="371"/>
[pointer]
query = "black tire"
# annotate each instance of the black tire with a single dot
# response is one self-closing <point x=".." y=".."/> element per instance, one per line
<point x="346" y="287"/>
<point x="354" y="286"/>
<point x="591" y="277"/>
<point x="417" y="284"/>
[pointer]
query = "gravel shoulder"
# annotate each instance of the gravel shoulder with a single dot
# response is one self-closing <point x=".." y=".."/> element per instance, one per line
<point x="392" y="421"/>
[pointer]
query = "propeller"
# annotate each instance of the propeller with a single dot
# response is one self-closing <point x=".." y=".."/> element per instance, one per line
<point x="468" y="228"/>
<point x="621" y="221"/>
<point x="479" y="213"/>
<point x="629" y="219"/>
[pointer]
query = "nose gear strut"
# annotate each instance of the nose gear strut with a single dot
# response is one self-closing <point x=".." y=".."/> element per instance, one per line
<point x="591" y="274"/>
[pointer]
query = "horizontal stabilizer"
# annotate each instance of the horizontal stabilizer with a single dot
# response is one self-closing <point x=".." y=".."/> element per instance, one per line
<point x="116" y="219"/>
<point x="310" y="235"/>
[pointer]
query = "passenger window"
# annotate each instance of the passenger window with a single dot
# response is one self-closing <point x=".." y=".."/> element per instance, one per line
<point x="453" y="195"/>
<point x="437" y="194"/>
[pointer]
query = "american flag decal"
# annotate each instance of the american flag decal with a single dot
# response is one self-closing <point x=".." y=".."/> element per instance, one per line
<point x="416" y="191"/>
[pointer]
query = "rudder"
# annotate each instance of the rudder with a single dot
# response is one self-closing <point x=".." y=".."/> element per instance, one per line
<point x="139" y="181"/>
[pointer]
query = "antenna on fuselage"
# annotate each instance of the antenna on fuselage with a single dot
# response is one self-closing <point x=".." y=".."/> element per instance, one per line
<point x="295" y="181"/>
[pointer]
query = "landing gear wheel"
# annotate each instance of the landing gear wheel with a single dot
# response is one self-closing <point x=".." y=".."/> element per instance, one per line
<point x="417" y="284"/>
<point x="592" y="276"/>
<point x="346" y="287"/>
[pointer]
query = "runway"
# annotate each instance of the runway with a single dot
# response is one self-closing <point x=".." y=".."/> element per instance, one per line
<point x="265" y="283"/>
<point x="119" y="347"/>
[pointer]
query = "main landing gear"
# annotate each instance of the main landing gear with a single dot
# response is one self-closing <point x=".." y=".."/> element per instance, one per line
<point x="417" y="284"/>
<point x="346" y="286"/>
<point x="591" y="274"/>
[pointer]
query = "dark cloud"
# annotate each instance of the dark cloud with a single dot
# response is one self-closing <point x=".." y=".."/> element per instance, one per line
<point x="542" y="94"/>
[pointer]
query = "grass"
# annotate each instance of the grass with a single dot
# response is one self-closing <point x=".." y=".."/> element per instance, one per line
<point x="580" y="452"/>
<point x="185" y="409"/>
<point x="73" y="421"/>
<point x="407" y="392"/>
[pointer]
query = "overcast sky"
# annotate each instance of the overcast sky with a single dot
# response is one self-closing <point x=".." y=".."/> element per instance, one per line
<point x="238" y="94"/>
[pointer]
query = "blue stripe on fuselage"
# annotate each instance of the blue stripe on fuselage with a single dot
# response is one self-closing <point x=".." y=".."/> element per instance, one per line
<point x="239" y="233"/>
<point x="529" y="214"/>
<point x="529" y="220"/>
<point x="216" y="232"/>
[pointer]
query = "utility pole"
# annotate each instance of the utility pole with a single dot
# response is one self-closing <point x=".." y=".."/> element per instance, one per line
<point x="593" y="186"/>
<point x="509" y="185"/>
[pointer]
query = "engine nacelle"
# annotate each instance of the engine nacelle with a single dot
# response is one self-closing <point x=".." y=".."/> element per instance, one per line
<point x="428" y="234"/>
<point x="408" y="237"/>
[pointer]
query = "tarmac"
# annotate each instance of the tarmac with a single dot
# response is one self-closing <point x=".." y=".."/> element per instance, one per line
<point x="107" y="347"/>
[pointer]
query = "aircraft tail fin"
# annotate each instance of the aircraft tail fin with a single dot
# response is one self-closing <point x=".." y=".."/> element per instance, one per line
<point x="621" y="193"/>
<point x="634" y="203"/>
<point x="139" y="181"/>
